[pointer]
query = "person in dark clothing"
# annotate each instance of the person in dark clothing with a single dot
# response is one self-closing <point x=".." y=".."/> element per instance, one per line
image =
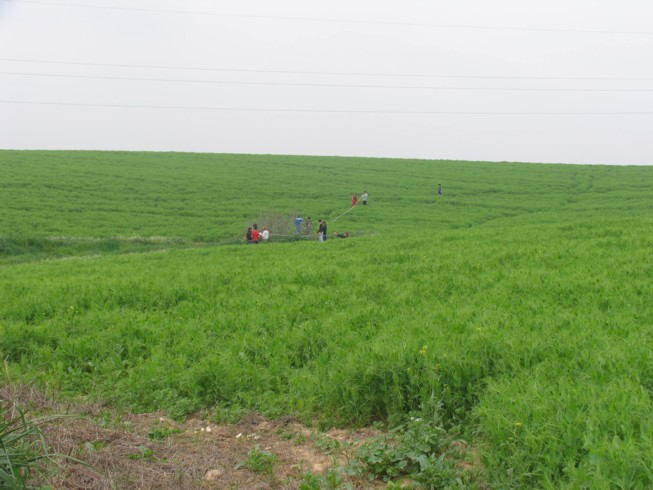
<point x="248" y="235"/>
<point x="322" y="231"/>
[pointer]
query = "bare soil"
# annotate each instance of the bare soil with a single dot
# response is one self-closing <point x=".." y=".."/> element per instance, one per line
<point x="151" y="451"/>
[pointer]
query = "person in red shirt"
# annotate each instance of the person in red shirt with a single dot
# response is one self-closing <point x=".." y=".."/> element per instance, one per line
<point x="255" y="233"/>
<point x="354" y="200"/>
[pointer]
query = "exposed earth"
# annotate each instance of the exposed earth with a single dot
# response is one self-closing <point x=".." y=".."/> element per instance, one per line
<point x="151" y="451"/>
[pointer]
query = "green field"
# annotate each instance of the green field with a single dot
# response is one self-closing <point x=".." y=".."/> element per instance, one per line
<point x="516" y="309"/>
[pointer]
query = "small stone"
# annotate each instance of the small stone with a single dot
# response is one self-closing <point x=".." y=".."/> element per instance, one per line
<point x="214" y="474"/>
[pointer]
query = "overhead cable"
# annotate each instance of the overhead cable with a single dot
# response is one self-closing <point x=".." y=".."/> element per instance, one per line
<point x="328" y="20"/>
<point x="334" y="111"/>
<point x="334" y="85"/>
<point x="334" y="73"/>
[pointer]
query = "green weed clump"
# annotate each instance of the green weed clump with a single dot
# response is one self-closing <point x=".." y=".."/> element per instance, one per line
<point x="518" y="303"/>
<point x="258" y="461"/>
<point x="412" y="448"/>
<point x="23" y="450"/>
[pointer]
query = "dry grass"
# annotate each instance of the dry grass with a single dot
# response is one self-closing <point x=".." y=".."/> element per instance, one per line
<point x="118" y="453"/>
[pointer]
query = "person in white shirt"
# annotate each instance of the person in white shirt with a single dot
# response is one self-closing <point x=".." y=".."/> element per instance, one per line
<point x="265" y="234"/>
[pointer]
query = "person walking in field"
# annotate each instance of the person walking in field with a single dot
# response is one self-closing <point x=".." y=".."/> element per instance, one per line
<point x="248" y="235"/>
<point x="298" y="224"/>
<point x="439" y="190"/>
<point x="322" y="231"/>
<point x="265" y="234"/>
<point x="255" y="233"/>
<point x="365" y="198"/>
<point x="354" y="200"/>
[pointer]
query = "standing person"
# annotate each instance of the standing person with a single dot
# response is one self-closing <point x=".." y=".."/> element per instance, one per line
<point x="439" y="189"/>
<point x="364" y="198"/>
<point x="309" y="225"/>
<point x="248" y="235"/>
<point x="321" y="231"/>
<point x="354" y="200"/>
<point x="265" y="234"/>
<point x="255" y="233"/>
<point x="298" y="224"/>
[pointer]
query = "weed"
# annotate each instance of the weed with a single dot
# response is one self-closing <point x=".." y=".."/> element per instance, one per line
<point x="333" y="480"/>
<point x="327" y="444"/>
<point x="144" y="454"/>
<point x="415" y="448"/>
<point x="161" y="433"/>
<point x="258" y="461"/>
<point x="286" y="436"/>
<point x="93" y="446"/>
<point x="22" y="449"/>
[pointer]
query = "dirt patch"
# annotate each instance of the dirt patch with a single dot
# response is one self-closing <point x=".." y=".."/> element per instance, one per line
<point x="195" y="454"/>
<point x="151" y="451"/>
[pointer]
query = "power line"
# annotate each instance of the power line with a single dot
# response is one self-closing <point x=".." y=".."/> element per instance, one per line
<point x="334" y="85"/>
<point x="332" y="111"/>
<point x="296" y="72"/>
<point x="327" y="20"/>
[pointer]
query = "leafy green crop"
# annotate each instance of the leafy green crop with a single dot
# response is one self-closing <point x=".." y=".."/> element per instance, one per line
<point x="518" y="303"/>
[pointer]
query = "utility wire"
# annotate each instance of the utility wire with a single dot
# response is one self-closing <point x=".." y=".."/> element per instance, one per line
<point x="334" y="85"/>
<point x="323" y="84"/>
<point x="330" y="111"/>
<point x="295" y="72"/>
<point x="327" y="20"/>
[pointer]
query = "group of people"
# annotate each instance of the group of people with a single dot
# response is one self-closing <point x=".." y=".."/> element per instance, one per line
<point x="321" y="230"/>
<point x="354" y="199"/>
<point x="253" y="235"/>
<point x="298" y="224"/>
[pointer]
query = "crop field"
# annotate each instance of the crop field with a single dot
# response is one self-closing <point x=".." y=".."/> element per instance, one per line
<point x="515" y="310"/>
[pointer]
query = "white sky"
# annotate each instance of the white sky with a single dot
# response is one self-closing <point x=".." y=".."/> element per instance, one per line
<point x="306" y="77"/>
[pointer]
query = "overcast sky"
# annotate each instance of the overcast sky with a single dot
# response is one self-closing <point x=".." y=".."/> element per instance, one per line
<point x="567" y="81"/>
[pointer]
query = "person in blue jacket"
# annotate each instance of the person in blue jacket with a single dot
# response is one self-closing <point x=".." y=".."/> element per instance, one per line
<point x="298" y="224"/>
